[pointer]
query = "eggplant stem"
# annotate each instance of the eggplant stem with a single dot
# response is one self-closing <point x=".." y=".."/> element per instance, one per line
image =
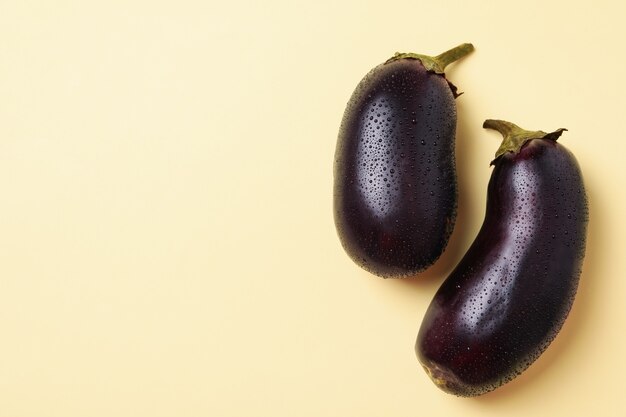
<point x="436" y="64"/>
<point x="453" y="55"/>
<point x="514" y="137"/>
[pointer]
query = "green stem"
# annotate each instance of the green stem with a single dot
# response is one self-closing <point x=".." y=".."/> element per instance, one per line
<point x="514" y="137"/>
<point x="453" y="54"/>
<point x="437" y="63"/>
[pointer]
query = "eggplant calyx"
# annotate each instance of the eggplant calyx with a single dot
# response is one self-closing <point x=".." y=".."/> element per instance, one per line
<point x="514" y="137"/>
<point x="436" y="64"/>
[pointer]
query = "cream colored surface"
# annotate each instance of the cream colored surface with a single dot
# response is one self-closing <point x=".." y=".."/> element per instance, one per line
<point x="167" y="246"/>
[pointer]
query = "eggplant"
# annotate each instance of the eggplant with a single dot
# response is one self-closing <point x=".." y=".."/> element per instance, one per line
<point x="508" y="297"/>
<point x="395" y="191"/>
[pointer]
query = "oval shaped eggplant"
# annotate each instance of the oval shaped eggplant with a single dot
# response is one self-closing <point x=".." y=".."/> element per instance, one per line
<point x="394" y="175"/>
<point x="510" y="294"/>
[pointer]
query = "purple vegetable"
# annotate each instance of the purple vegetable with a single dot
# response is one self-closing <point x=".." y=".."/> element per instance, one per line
<point x="510" y="294"/>
<point x="395" y="188"/>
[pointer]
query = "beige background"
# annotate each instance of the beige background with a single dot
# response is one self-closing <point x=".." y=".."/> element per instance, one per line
<point x="167" y="245"/>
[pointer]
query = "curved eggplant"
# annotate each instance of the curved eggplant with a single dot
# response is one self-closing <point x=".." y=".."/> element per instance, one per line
<point x="508" y="297"/>
<point x="395" y="188"/>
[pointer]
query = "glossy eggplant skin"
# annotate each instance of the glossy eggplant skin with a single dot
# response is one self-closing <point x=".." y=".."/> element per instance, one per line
<point x="395" y="189"/>
<point x="510" y="294"/>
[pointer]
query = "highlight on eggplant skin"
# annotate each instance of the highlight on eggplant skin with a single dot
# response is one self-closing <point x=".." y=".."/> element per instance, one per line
<point x="509" y="296"/>
<point x="395" y="192"/>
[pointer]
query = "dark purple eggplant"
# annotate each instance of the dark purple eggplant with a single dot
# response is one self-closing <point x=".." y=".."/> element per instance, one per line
<point x="508" y="297"/>
<point x="395" y="190"/>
